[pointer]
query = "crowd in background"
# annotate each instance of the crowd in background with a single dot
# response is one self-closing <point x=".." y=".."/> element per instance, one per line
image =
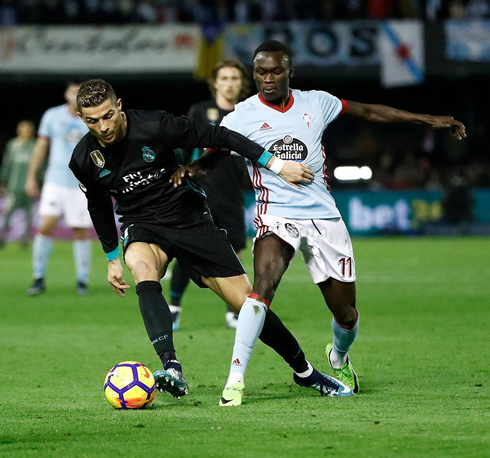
<point x="14" y="12"/>
<point x="402" y="158"/>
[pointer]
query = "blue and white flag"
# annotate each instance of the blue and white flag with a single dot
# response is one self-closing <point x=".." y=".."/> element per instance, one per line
<point x="401" y="45"/>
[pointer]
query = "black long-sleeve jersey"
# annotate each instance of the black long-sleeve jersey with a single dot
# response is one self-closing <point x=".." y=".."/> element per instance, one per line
<point x="228" y="176"/>
<point x="136" y="172"/>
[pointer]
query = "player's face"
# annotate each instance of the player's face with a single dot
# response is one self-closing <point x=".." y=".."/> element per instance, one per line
<point x="228" y="83"/>
<point x="272" y="71"/>
<point x="71" y="96"/>
<point x="105" y="122"/>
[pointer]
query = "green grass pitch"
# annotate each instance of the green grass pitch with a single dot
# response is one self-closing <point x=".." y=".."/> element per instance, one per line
<point x="422" y="355"/>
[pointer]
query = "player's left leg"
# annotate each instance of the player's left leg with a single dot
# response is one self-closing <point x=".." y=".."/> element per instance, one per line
<point x="77" y="217"/>
<point x="9" y="208"/>
<point x="82" y="253"/>
<point x="341" y="300"/>
<point x="329" y="256"/>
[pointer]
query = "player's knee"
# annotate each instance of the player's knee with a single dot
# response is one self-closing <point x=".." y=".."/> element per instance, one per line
<point x="81" y="234"/>
<point x="264" y="287"/>
<point x="141" y="271"/>
<point x="347" y="316"/>
<point x="47" y="231"/>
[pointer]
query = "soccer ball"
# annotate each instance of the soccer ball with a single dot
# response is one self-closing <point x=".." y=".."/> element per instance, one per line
<point x="129" y="385"/>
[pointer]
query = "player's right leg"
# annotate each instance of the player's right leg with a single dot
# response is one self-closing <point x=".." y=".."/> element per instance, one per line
<point x="9" y="207"/>
<point x="148" y="263"/>
<point x="41" y="252"/>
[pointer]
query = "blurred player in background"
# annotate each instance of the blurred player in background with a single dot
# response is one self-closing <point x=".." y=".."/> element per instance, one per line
<point x="15" y="164"/>
<point x="290" y="124"/>
<point x="59" y="132"/>
<point x="228" y="85"/>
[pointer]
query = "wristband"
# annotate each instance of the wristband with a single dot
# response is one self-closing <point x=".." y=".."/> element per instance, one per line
<point x="264" y="158"/>
<point x="277" y="165"/>
<point x="112" y="255"/>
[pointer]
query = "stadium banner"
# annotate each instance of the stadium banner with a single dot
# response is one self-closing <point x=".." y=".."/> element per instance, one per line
<point x="391" y="212"/>
<point x="388" y="212"/>
<point x="467" y="40"/>
<point x="352" y="43"/>
<point x="401" y="45"/>
<point x="105" y="49"/>
<point x="364" y="212"/>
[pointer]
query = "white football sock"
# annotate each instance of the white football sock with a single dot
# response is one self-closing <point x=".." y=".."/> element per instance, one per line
<point x="41" y="252"/>
<point x="82" y="252"/>
<point x="250" y="323"/>
<point x="307" y="372"/>
<point x="342" y="341"/>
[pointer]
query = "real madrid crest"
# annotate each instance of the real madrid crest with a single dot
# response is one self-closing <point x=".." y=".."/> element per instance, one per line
<point x="98" y="159"/>
<point x="212" y="114"/>
<point x="148" y="154"/>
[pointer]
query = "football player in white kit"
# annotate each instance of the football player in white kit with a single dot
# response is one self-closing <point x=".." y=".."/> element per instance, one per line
<point x="59" y="132"/>
<point x="290" y="124"/>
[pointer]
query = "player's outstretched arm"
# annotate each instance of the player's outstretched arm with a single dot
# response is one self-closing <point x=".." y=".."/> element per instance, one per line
<point x="383" y="113"/>
<point x="291" y="171"/>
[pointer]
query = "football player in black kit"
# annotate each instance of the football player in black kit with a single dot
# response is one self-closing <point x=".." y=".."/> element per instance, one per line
<point x="130" y="155"/>
<point x="228" y="85"/>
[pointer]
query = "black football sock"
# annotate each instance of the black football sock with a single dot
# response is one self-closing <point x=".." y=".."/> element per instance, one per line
<point x="156" y="316"/>
<point x="279" y="338"/>
<point x="178" y="284"/>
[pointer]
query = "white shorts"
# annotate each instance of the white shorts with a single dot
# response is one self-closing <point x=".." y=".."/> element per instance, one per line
<point x="324" y="244"/>
<point x="69" y="202"/>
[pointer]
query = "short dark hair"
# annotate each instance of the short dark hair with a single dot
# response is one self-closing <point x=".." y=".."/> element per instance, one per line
<point x="245" y="91"/>
<point x="93" y="93"/>
<point x="274" y="46"/>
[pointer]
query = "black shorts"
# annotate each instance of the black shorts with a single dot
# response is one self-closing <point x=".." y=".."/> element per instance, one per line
<point x="234" y="225"/>
<point x="202" y="250"/>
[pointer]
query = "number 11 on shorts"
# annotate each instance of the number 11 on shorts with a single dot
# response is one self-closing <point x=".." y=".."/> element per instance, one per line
<point x="346" y="263"/>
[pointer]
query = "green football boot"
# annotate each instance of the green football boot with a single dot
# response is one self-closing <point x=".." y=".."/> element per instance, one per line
<point x="232" y="395"/>
<point x="346" y="373"/>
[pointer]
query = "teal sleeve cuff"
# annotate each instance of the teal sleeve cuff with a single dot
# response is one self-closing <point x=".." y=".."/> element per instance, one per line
<point x="113" y="254"/>
<point x="264" y="158"/>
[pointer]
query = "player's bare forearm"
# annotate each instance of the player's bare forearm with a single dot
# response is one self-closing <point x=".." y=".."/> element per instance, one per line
<point x="291" y="171"/>
<point x="38" y="157"/>
<point x="208" y="161"/>
<point x="115" y="277"/>
<point x="386" y="114"/>
<point x="198" y="169"/>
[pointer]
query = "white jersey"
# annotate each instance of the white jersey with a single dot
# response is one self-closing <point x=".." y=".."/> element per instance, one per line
<point x="292" y="133"/>
<point x="64" y="130"/>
